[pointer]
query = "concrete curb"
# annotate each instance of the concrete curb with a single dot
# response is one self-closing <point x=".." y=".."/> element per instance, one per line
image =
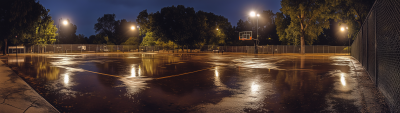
<point x="18" y="96"/>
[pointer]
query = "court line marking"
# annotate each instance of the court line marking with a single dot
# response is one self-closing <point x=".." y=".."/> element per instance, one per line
<point x="152" y="78"/>
<point x="188" y="72"/>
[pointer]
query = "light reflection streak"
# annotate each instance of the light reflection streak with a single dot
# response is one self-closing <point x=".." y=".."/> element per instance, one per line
<point x="254" y="87"/>
<point x="133" y="72"/>
<point x="216" y="71"/>
<point x="342" y="79"/>
<point x="217" y="80"/>
<point x="139" y="72"/>
<point x="66" y="79"/>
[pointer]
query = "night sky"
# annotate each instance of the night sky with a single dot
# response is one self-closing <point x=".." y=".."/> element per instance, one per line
<point x="84" y="13"/>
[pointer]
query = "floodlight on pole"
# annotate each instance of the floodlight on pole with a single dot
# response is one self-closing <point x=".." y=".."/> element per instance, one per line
<point x="133" y="28"/>
<point x="348" y="37"/>
<point x="65" y="22"/>
<point x="252" y="14"/>
<point x="217" y="28"/>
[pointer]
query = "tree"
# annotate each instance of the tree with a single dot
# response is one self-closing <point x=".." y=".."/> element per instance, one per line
<point x="308" y="18"/>
<point x="44" y="31"/>
<point x="18" y="17"/>
<point x="267" y="28"/>
<point x="185" y="27"/>
<point x="97" y="39"/>
<point x="132" y="41"/>
<point x="106" y="25"/>
<point x="116" y="31"/>
<point x="177" y="24"/>
<point x="67" y="33"/>
<point x="352" y="13"/>
<point x="123" y="31"/>
<point x="282" y="22"/>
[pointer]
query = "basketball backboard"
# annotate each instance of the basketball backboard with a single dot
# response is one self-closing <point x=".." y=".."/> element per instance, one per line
<point x="245" y="35"/>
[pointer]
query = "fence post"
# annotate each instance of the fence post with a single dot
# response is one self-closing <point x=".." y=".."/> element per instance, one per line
<point x="366" y="50"/>
<point x="376" y="44"/>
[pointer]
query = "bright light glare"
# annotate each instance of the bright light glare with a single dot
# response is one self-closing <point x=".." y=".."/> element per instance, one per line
<point x="342" y="79"/>
<point x="140" y="71"/>
<point x="216" y="71"/>
<point x="133" y="27"/>
<point x="347" y="27"/>
<point x="258" y="15"/>
<point x="217" y="28"/>
<point x="254" y="87"/>
<point x="252" y="14"/>
<point x="65" y="22"/>
<point x="342" y="29"/>
<point x="66" y="79"/>
<point x="133" y="71"/>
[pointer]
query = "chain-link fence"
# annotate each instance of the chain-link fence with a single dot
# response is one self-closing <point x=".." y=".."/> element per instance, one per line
<point x="98" y="48"/>
<point x="276" y="49"/>
<point x="377" y="48"/>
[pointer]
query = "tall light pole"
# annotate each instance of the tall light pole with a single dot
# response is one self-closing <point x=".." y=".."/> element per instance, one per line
<point x="347" y="29"/>
<point x="253" y="14"/>
<point x="59" y="27"/>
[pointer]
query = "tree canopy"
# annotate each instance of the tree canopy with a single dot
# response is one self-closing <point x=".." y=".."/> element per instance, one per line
<point x="25" y="21"/>
<point x="308" y="19"/>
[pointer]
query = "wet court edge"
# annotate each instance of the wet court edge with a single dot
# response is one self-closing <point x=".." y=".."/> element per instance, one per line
<point x="199" y="83"/>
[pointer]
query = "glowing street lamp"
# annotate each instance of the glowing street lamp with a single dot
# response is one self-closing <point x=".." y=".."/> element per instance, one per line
<point x="347" y="29"/>
<point x="217" y="29"/>
<point x="253" y="14"/>
<point x="65" y="22"/>
<point x="133" y="28"/>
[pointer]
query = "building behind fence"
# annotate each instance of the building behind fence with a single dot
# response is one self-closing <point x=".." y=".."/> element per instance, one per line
<point x="95" y="48"/>
<point x="377" y="48"/>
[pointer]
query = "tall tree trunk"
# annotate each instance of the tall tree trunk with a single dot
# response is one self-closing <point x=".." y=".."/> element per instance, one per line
<point x="303" y="47"/>
<point x="5" y="47"/>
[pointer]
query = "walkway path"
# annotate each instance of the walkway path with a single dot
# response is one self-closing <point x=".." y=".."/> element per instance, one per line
<point x="16" y="96"/>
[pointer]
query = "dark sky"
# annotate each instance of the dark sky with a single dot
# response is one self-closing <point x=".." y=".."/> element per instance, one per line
<point x="84" y="13"/>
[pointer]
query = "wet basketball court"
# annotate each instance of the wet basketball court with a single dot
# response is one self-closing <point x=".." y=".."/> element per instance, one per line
<point x="193" y="82"/>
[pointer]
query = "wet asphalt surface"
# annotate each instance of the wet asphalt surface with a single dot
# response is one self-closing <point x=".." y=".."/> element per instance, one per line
<point x="191" y="82"/>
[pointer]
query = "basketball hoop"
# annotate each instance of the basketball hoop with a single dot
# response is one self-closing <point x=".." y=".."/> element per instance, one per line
<point x="245" y="35"/>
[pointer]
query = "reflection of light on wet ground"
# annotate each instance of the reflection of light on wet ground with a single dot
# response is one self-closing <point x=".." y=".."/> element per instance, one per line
<point x="265" y="63"/>
<point x="217" y="80"/>
<point x="133" y="72"/>
<point x="342" y="79"/>
<point x="134" y="85"/>
<point x="216" y="71"/>
<point x="140" y="71"/>
<point x="66" y="79"/>
<point x="254" y="87"/>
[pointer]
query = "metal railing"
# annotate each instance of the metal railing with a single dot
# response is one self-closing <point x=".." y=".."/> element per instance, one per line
<point x="377" y="48"/>
<point x="99" y="48"/>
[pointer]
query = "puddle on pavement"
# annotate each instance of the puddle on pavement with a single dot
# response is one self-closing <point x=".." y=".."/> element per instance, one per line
<point x="234" y="83"/>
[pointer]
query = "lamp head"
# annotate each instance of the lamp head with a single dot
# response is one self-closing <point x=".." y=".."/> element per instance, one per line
<point x="65" y="22"/>
<point x="133" y="28"/>
<point x="252" y="14"/>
